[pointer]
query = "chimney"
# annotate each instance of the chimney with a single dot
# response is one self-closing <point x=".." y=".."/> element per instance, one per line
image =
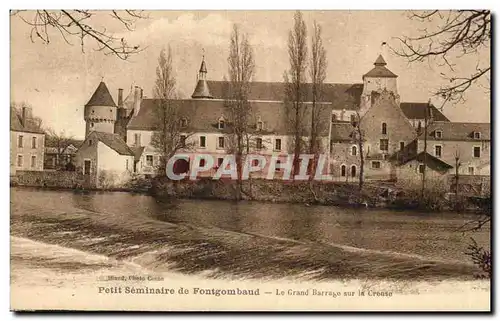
<point x="120" y="97"/>
<point x="137" y="99"/>
<point x="26" y="114"/>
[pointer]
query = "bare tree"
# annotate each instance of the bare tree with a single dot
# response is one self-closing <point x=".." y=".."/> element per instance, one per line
<point x="79" y="24"/>
<point x="359" y="138"/>
<point x="241" y="70"/>
<point x="317" y="72"/>
<point x="60" y="141"/>
<point x="457" y="33"/>
<point x="295" y="89"/>
<point x="171" y="130"/>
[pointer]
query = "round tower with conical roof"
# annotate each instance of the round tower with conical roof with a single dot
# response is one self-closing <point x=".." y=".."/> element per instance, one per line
<point x="100" y="111"/>
<point x="202" y="91"/>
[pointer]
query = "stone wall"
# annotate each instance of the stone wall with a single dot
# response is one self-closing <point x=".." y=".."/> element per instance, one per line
<point x="55" y="179"/>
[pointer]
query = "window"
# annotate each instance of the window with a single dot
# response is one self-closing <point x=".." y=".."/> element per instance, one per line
<point x="375" y="164"/>
<point x="219" y="161"/>
<point x="33" y="161"/>
<point x="342" y="170"/>
<point x="477" y="152"/>
<point x="278" y="165"/>
<point x="353" y="171"/>
<point x="183" y="140"/>
<point x="90" y="142"/>
<point x="184" y="122"/>
<point x="439" y="134"/>
<point x="202" y="162"/>
<point x="203" y="141"/>
<point x="384" y="145"/>
<point x="126" y="164"/>
<point x="260" y="125"/>
<point x="149" y="160"/>
<point x="401" y="145"/>
<point x="384" y="129"/>
<point x="19" y="160"/>
<point x="277" y="144"/>
<point x="137" y="139"/>
<point x="33" y="142"/>
<point x="255" y="162"/>
<point x="354" y="151"/>
<point x="221" y="124"/>
<point x="471" y="170"/>
<point x="91" y="125"/>
<point x="477" y="135"/>
<point x="353" y="118"/>
<point x="437" y="151"/>
<point x="334" y="118"/>
<point x="221" y="142"/>
<point x="421" y="168"/>
<point x="20" y="141"/>
<point x="258" y="143"/>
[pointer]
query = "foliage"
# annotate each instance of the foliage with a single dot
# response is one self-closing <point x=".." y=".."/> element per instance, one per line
<point x="480" y="257"/>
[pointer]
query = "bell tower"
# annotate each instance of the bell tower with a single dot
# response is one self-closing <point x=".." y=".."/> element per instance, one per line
<point x="202" y="91"/>
<point x="375" y="81"/>
<point x="100" y="111"/>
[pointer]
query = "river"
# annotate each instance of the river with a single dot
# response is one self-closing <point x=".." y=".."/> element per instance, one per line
<point x="247" y="239"/>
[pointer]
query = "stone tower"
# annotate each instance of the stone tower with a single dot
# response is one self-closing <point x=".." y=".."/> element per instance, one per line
<point x="375" y="81"/>
<point x="202" y="91"/>
<point x="100" y="112"/>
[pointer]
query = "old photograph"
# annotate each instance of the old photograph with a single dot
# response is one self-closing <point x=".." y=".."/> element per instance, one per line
<point x="308" y="160"/>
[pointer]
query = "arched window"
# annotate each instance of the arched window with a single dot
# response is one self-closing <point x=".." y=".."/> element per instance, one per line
<point x="342" y="170"/>
<point x="221" y="123"/>
<point x="354" y="150"/>
<point x="384" y="129"/>
<point x="353" y="171"/>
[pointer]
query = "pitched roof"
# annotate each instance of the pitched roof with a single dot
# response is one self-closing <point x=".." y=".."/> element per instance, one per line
<point x="380" y="69"/>
<point x="114" y="141"/>
<point x="342" y="96"/>
<point x="17" y="125"/>
<point x="342" y="132"/>
<point x="433" y="162"/>
<point x="101" y="97"/>
<point x="380" y="61"/>
<point x="202" y="90"/>
<point x="203" y="67"/>
<point x="414" y="110"/>
<point x="137" y="152"/>
<point x="458" y="131"/>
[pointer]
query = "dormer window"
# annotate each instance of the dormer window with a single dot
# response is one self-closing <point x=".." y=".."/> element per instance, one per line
<point x="439" y="134"/>
<point x="221" y="124"/>
<point x="477" y="135"/>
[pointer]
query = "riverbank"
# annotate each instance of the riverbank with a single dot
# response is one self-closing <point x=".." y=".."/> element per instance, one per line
<point x="375" y="194"/>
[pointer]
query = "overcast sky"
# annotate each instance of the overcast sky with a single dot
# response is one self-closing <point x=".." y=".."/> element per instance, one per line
<point x="58" y="79"/>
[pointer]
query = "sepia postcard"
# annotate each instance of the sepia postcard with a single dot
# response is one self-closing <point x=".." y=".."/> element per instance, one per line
<point x="250" y="160"/>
